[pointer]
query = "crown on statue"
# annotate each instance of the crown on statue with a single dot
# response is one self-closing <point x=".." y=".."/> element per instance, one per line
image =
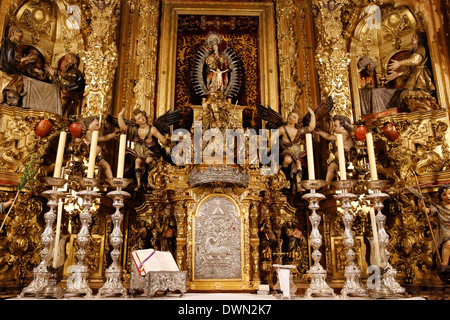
<point x="219" y="174"/>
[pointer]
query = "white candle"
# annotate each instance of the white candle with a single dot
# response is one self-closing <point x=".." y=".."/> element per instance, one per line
<point x="92" y="154"/>
<point x="310" y="156"/>
<point x="58" y="234"/>
<point x="341" y="157"/>
<point x="121" y="161"/>
<point x="371" y="153"/>
<point x="375" y="237"/>
<point x="60" y="154"/>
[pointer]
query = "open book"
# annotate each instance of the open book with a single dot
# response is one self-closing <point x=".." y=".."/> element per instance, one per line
<point x="150" y="260"/>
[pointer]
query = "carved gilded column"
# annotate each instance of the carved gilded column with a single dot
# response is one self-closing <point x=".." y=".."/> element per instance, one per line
<point x="146" y="54"/>
<point x="100" y="57"/>
<point x="332" y="58"/>
<point x="295" y="40"/>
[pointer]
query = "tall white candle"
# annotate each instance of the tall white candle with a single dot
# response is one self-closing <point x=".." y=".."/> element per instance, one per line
<point x="92" y="154"/>
<point x="310" y="156"/>
<point x="60" y="154"/>
<point x="121" y="161"/>
<point x="341" y="157"/>
<point x="58" y="234"/>
<point x="371" y="153"/>
<point x="376" y="245"/>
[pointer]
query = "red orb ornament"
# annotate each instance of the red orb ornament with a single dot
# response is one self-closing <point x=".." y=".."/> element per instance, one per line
<point x="43" y="128"/>
<point x="360" y="133"/>
<point x="76" y="130"/>
<point x="390" y="131"/>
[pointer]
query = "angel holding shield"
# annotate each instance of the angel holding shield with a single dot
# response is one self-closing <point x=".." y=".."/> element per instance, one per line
<point x="146" y="138"/>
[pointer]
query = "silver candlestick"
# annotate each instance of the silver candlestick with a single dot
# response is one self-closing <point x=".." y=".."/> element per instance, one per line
<point x="389" y="282"/>
<point x="77" y="282"/>
<point x="352" y="273"/>
<point x="41" y="273"/>
<point x="113" y="285"/>
<point x="316" y="273"/>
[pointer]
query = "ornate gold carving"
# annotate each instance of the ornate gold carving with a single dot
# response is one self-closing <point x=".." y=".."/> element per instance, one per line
<point x="18" y="141"/>
<point x="39" y="18"/>
<point x="421" y="148"/>
<point x="294" y="56"/>
<point x="146" y="54"/>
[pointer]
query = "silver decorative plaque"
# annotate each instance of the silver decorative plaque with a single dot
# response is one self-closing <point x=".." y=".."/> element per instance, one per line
<point x="217" y="240"/>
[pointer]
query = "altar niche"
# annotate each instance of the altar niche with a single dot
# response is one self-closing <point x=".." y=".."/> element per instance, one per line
<point x="217" y="240"/>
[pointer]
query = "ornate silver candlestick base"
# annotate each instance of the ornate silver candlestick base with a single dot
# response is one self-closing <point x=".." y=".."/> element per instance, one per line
<point x="352" y="273"/>
<point x="113" y="285"/>
<point x="377" y="198"/>
<point x="40" y="273"/>
<point x="316" y="273"/>
<point x="77" y="283"/>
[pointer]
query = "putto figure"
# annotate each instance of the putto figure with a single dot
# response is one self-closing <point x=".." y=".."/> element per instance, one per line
<point x="92" y="124"/>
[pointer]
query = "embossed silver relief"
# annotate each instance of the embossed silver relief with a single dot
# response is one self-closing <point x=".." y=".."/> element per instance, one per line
<point x="218" y="240"/>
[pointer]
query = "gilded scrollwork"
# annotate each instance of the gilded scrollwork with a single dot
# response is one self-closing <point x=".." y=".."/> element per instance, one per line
<point x="332" y="58"/>
<point x="410" y="246"/>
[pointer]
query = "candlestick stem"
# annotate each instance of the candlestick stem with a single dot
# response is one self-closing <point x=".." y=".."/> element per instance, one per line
<point x="77" y="283"/>
<point x="352" y="285"/>
<point x="389" y="273"/>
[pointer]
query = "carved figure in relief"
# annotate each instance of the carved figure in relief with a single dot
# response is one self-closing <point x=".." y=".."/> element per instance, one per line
<point x="368" y="72"/>
<point x="13" y="98"/>
<point x="267" y="239"/>
<point x="35" y="64"/>
<point x="291" y="237"/>
<point x="71" y="81"/>
<point x="341" y="125"/>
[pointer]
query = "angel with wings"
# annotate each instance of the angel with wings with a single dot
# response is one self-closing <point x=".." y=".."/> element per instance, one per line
<point x="341" y="125"/>
<point x="146" y="139"/>
<point x="292" y="137"/>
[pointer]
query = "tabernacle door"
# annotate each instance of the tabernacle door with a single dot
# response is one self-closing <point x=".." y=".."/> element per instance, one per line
<point x="217" y="243"/>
